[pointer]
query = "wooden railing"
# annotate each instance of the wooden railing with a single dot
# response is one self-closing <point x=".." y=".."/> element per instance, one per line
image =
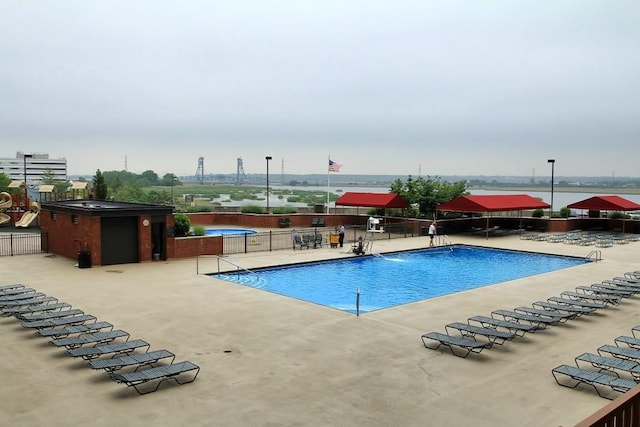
<point x="622" y="412"/>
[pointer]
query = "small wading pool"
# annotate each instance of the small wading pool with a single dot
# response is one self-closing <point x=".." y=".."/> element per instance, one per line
<point x="228" y="231"/>
<point x="399" y="278"/>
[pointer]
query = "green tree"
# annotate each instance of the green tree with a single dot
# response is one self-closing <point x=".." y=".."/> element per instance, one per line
<point x="100" y="191"/>
<point x="150" y="176"/>
<point x="427" y="193"/>
<point x="182" y="224"/>
<point x="4" y="182"/>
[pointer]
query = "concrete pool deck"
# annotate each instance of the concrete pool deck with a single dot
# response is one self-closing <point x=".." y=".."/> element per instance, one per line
<point x="269" y="360"/>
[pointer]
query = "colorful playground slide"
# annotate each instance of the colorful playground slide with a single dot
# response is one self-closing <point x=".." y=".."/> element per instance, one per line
<point x="5" y="203"/>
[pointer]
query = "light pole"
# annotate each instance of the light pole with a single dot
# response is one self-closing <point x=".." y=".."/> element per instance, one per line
<point x="267" y="158"/>
<point x="24" y="159"/>
<point x="173" y="179"/>
<point x="26" y="187"/>
<point x="553" y="164"/>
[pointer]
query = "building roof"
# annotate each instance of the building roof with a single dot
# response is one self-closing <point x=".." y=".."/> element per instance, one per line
<point x="374" y="200"/>
<point x="105" y="208"/>
<point x="492" y="203"/>
<point x="605" y="203"/>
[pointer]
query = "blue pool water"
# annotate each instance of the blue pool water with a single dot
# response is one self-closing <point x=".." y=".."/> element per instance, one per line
<point x="399" y="278"/>
<point x="228" y="231"/>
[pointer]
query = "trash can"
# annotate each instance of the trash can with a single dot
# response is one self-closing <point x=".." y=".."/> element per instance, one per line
<point x="334" y="239"/>
<point x="84" y="259"/>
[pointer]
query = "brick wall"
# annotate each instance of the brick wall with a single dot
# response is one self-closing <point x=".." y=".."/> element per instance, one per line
<point x="66" y="238"/>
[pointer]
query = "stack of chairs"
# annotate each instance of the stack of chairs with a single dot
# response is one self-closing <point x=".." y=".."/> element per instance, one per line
<point x="82" y="336"/>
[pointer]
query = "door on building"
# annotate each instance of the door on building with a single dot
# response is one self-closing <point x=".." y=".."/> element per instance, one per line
<point x="119" y="240"/>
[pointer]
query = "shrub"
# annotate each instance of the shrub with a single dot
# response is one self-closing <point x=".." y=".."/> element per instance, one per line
<point x="284" y="210"/>
<point x="198" y="208"/>
<point x="564" y="212"/>
<point x="537" y="213"/>
<point x="198" y="230"/>
<point x="182" y="224"/>
<point x="252" y="209"/>
<point x="616" y="215"/>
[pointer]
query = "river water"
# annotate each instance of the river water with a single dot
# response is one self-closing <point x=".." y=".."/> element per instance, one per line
<point x="560" y="199"/>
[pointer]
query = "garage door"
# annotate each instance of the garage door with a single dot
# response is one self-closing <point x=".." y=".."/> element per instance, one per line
<point x="119" y="240"/>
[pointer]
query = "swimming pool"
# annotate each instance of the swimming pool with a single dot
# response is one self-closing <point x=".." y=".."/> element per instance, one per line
<point x="399" y="278"/>
<point x="228" y="231"/>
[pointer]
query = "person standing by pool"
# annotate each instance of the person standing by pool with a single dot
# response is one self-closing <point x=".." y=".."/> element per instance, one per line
<point x="432" y="232"/>
<point x="341" y="235"/>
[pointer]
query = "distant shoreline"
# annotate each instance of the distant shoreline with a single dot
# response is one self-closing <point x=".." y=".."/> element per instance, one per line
<point x="598" y="190"/>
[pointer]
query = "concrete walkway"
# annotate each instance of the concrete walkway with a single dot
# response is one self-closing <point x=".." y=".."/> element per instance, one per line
<point x="269" y="360"/>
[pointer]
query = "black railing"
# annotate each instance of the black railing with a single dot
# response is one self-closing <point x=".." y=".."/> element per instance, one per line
<point x="318" y="236"/>
<point x="23" y="243"/>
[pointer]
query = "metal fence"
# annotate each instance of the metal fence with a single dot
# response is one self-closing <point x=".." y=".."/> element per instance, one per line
<point x="276" y="240"/>
<point x="23" y="243"/>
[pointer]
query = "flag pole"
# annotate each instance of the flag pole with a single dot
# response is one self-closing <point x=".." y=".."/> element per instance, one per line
<point x="328" y="174"/>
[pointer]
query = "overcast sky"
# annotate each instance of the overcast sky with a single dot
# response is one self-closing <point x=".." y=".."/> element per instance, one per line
<point x="384" y="87"/>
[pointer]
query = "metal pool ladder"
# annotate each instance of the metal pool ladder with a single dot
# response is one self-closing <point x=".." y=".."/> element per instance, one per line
<point x="594" y="255"/>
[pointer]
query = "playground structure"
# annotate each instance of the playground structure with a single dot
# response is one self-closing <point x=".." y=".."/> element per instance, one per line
<point x="5" y="203"/>
<point x="29" y="216"/>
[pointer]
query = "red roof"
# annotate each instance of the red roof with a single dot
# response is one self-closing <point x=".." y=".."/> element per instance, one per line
<point x="492" y="203"/>
<point x="373" y="200"/>
<point x="605" y="203"/>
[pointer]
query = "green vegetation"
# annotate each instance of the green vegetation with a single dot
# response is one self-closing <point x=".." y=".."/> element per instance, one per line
<point x="198" y="230"/>
<point x="254" y="209"/>
<point x="565" y="212"/>
<point x="427" y="193"/>
<point x="182" y="224"/>
<point x="537" y="213"/>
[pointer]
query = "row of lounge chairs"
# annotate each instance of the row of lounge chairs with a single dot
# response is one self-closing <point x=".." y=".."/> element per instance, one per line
<point x="504" y="325"/>
<point x="582" y="238"/>
<point x="126" y="361"/>
<point x="613" y="368"/>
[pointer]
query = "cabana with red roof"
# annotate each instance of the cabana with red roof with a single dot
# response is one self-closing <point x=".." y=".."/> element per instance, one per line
<point x="605" y="203"/>
<point x="492" y="203"/>
<point x="373" y="200"/>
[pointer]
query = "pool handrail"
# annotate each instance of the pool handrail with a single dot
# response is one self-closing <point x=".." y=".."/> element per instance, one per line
<point x="219" y="258"/>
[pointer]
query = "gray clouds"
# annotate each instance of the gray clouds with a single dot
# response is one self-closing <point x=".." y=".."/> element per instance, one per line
<point x="461" y="87"/>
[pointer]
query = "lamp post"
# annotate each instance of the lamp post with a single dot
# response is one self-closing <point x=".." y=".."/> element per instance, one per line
<point x="26" y="187"/>
<point x="173" y="180"/>
<point x="267" y="158"/>
<point x="24" y="159"/>
<point x="553" y="164"/>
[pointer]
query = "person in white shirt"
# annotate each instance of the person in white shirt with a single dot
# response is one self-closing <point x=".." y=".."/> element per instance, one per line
<point x="432" y="232"/>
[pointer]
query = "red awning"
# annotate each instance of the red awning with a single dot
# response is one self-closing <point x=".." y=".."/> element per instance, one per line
<point x="492" y="203"/>
<point x="605" y="203"/>
<point x="373" y="200"/>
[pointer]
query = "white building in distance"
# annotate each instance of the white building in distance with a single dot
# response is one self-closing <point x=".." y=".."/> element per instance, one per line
<point x="33" y="167"/>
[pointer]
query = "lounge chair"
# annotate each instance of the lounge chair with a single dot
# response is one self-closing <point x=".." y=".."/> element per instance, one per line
<point x="65" y="331"/>
<point x="73" y="320"/>
<point x="36" y="300"/>
<point x="137" y="360"/>
<point x="576" y="303"/>
<point x="632" y="342"/>
<point x="610" y="364"/>
<point x="602" y="288"/>
<point x="95" y="338"/>
<point x="5" y="288"/>
<point x="514" y="316"/>
<point x="467" y="345"/>
<point x="159" y="374"/>
<point x="592" y="378"/>
<point x="605" y="299"/>
<point x="38" y="308"/>
<point x="107" y="349"/>
<point x="15" y="289"/>
<point x="620" y="352"/>
<point x="562" y="317"/>
<point x="622" y="285"/>
<point x="514" y="327"/>
<point x="17" y="294"/>
<point x="491" y="334"/>
<point x="32" y="317"/>
<point x="563" y="308"/>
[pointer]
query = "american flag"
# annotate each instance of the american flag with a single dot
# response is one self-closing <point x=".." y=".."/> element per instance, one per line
<point x="333" y="166"/>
